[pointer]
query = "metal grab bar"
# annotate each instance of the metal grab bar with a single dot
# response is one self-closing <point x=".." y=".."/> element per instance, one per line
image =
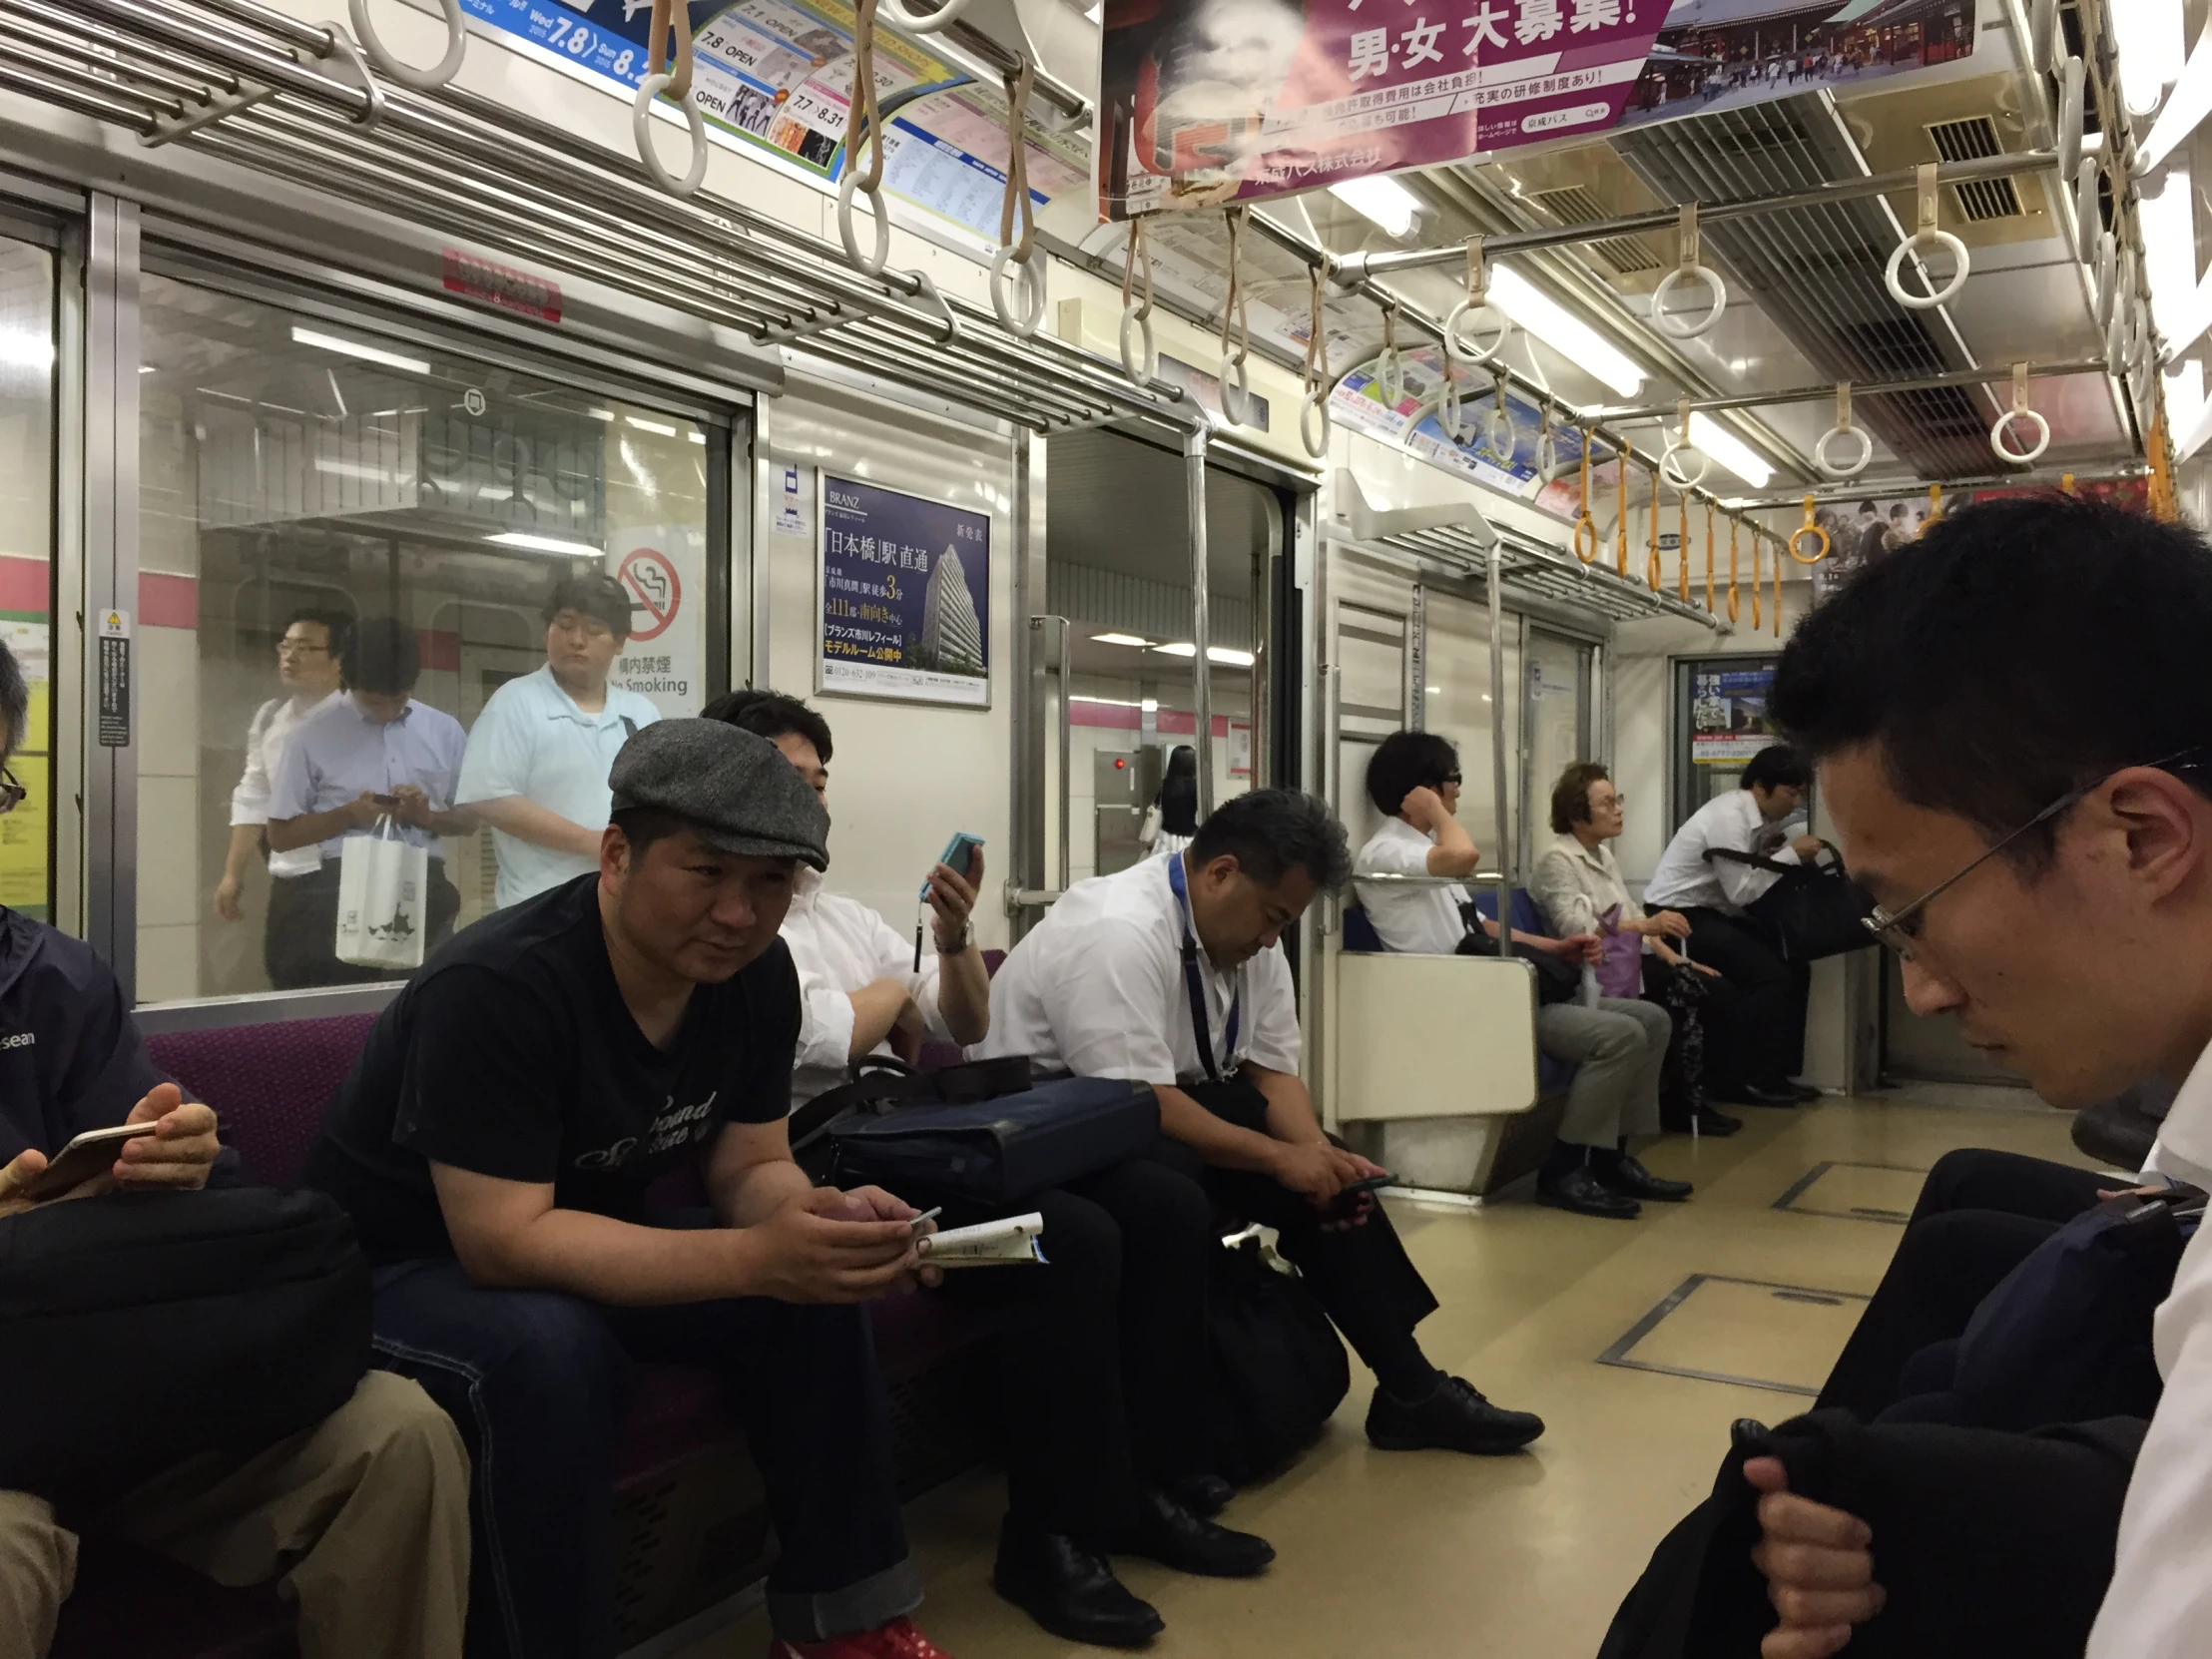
<point x="1473" y="879"/>
<point x="1202" y="677"/>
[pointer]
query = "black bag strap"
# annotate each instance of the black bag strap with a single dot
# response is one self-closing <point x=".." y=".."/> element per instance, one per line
<point x="878" y="1081"/>
<point x="629" y="726"/>
<point x="1775" y="866"/>
<point x="1202" y="1031"/>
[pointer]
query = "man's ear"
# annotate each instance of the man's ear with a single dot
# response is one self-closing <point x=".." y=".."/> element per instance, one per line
<point x="2168" y="823"/>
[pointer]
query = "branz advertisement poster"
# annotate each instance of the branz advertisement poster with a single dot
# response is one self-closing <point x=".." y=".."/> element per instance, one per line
<point x="905" y="596"/>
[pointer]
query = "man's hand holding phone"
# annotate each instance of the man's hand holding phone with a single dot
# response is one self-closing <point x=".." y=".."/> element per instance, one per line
<point x="950" y="891"/>
<point x="180" y="1151"/>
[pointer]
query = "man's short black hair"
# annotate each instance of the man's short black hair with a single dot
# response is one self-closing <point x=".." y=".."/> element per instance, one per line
<point x="1408" y="760"/>
<point x="1270" y="833"/>
<point x="1777" y="767"/>
<point x="336" y="626"/>
<point x="771" y="714"/>
<point x="381" y="657"/>
<point x="15" y="702"/>
<point x="2021" y="649"/>
<point x="594" y="594"/>
<point x="641" y="826"/>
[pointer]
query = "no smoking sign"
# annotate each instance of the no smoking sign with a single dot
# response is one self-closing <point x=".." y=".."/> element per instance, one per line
<point x="655" y="592"/>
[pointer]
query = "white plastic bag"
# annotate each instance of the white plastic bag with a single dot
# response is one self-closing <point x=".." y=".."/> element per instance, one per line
<point x="384" y="899"/>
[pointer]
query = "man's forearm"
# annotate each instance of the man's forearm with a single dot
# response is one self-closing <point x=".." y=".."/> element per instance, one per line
<point x="287" y="834"/>
<point x="1291" y="1115"/>
<point x="618" y="1261"/>
<point x="876" y="1009"/>
<point x="756" y="1192"/>
<point x="461" y="820"/>
<point x="1214" y="1139"/>
<point x="526" y="820"/>
<point x="964" y="995"/>
<point x="244" y="839"/>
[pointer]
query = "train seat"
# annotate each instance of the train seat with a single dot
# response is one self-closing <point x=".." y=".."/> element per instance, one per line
<point x="690" y="1525"/>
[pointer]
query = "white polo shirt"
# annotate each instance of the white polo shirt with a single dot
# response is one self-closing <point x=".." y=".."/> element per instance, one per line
<point x="1097" y="989"/>
<point x="838" y="946"/>
<point x="1422" y="922"/>
<point x="533" y="740"/>
<point x="1687" y="880"/>
<point x="2159" y="1604"/>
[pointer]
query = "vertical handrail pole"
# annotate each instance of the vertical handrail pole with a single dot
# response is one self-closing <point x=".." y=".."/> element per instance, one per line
<point x="1495" y="584"/>
<point x="1202" y="685"/>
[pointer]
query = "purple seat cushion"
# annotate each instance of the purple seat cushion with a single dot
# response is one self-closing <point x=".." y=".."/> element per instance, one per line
<point x="131" y="1604"/>
<point x="268" y="1084"/>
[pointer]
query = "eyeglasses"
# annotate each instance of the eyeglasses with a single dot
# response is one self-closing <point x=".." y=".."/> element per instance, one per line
<point x="1897" y="928"/>
<point x="12" y="794"/>
<point x="1450" y="780"/>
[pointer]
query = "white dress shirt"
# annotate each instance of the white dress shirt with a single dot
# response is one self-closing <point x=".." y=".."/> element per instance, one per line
<point x="2159" y="1605"/>
<point x="1097" y="989"/>
<point x="271" y="729"/>
<point x="1420" y="920"/>
<point x="339" y="751"/>
<point x="1687" y="880"/>
<point x="839" y="945"/>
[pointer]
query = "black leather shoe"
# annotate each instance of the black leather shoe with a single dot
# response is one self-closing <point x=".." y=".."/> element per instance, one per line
<point x="1717" y="1124"/>
<point x="1170" y="1534"/>
<point x="1204" y="1495"/>
<point x="1631" y="1180"/>
<point x="1456" y="1418"/>
<point x="1751" y="1094"/>
<point x="1582" y="1192"/>
<point x="1071" y="1591"/>
<point x="1805" y="1092"/>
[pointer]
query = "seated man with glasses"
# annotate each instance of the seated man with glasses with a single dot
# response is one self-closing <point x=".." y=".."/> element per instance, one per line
<point x="1618" y="1046"/>
<point x="2042" y="852"/>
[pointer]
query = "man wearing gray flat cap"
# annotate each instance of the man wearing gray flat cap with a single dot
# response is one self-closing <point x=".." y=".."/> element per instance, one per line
<point x="494" y="1144"/>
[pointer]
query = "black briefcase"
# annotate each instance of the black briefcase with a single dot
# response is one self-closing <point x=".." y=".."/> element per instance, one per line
<point x="137" y="1330"/>
<point x="997" y="1152"/>
<point x="1818" y="908"/>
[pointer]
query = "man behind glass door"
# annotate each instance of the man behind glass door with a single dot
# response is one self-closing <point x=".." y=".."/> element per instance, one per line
<point x="538" y="758"/>
<point x="307" y="669"/>
<point x="376" y="740"/>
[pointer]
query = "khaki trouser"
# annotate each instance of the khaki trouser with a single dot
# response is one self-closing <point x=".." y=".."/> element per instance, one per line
<point x="363" y="1521"/>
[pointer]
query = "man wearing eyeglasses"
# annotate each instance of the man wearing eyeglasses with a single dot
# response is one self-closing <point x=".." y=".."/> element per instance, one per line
<point x="2041" y="849"/>
<point x="307" y="667"/>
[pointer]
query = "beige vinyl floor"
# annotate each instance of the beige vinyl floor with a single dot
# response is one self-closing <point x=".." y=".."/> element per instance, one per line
<point x="1638" y="1342"/>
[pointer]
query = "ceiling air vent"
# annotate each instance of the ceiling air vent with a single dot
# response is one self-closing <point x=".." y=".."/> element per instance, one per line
<point x="1969" y="141"/>
<point x="1576" y="206"/>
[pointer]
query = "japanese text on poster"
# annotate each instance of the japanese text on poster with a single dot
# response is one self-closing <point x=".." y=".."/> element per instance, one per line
<point x="663" y="568"/>
<point x="1727" y="715"/>
<point x="905" y="596"/>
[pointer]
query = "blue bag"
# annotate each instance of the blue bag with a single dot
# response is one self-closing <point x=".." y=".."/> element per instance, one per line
<point x="997" y="1152"/>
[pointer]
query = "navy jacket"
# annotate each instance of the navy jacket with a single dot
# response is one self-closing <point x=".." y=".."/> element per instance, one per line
<point x="71" y="1057"/>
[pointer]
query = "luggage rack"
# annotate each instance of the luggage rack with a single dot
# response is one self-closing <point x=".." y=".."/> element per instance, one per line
<point x="238" y="80"/>
<point x="1535" y="571"/>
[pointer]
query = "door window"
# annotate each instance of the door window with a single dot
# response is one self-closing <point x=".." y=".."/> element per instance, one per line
<point x="26" y="562"/>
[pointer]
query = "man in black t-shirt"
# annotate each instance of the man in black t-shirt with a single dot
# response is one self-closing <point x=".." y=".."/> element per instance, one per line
<point x="494" y="1145"/>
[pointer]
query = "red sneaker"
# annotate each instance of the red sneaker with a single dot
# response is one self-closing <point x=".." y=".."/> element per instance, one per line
<point x="896" y="1640"/>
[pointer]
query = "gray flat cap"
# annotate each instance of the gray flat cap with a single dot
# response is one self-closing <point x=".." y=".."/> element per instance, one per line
<point x="736" y="791"/>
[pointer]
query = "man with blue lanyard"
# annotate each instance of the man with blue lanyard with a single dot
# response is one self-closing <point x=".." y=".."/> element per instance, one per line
<point x="536" y="768"/>
<point x="1172" y="973"/>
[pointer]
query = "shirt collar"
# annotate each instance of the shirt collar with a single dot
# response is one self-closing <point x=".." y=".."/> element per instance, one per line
<point x="366" y="718"/>
<point x="1594" y="856"/>
<point x="2186" y="1135"/>
<point x="565" y="707"/>
<point x="1398" y="829"/>
<point x="806" y="888"/>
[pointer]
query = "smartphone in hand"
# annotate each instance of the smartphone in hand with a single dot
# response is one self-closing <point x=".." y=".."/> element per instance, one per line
<point x="91" y="1154"/>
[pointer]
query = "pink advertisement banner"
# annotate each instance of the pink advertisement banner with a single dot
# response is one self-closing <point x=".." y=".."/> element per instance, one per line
<point x="1215" y="101"/>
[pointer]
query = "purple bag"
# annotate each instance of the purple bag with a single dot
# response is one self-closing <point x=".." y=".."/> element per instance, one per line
<point x="1622" y="973"/>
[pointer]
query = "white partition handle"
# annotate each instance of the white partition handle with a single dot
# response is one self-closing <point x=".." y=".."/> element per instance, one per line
<point x="1843" y="428"/>
<point x="422" y="80"/>
<point x="1143" y="367"/>
<point x="1458" y="346"/>
<point x="2072" y="88"/>
<point x="1020" y="315"/>
<point x="1499" y="433"/>
<point x="1547" y="447"/>
<point x="2043" y="34"/>
<point x="2019" y="411"/>
<point x="1236" y="388"/>
<point x="849" y="188"/>
<point x="924" y="23"/>
<point x="2108" y="264"/>
<point x="1313" y="407"/>
<point x="2089" y="215"/>
<point x="641" y="129"/>
<point x="1926" y="236"/>
<point x="373" y="113"/>
<point x="1687" y="270"/>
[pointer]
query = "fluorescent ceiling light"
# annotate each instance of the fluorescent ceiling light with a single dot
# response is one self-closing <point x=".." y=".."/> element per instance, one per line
<point x="1150" y="705"/>
<point x="1382" y="201"/>
<point x="2167" y="221"/>
<point x="1729" y="449"/>
<point x="2184" y="112"/>
<point x="146" y="368"/>
<point x="1121" y="638"/>
<point x="601" y="415"/>
<point x="659" y="428"/>
<point x="1103" y="701"/>
<point x="26" y="350"/>
<point x="1563" y="330"/>
<point x="357" y="348"/>
<point x="2151" y="45"/>
<point x="546" y="544"/>
<point x="697" y="437"/>
<point x="1222" y="656"/>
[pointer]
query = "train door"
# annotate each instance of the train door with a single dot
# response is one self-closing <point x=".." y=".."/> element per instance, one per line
<point x="28" y="355"/>
<point x="1720" y="723"/>
<point x="1114" y="687"/>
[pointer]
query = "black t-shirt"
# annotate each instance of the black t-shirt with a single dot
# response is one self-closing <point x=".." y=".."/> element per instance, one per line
<point x="512" y="1054"/>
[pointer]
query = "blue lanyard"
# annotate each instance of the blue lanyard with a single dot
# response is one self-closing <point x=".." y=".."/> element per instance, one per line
<point x="1202" y="1030"/>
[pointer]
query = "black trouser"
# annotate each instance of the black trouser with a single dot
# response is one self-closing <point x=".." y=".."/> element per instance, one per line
<point x="1989" y="1545"/>
<point x="300" y="949"/>
<point x="1361" y="1275"/>
<point x="1980" y="1214"/>
<point x="1754" y="1029"/>
<point x="1103" y="1352"/>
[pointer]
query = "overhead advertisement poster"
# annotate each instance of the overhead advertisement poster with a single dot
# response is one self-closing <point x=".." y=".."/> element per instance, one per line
<point x="1499" y="453"/>
<point x="1727" y="715"/>
<point x="905" y="596"/>
<point x="1207" y="102"/>
<point x="777" y="75"/>
<point x="1724" y="54"/>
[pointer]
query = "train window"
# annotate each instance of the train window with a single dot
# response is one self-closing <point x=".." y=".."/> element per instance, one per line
<point x="26" y="559"/>
<point x="1457" y="705"/>
<point x="315" y="497"/>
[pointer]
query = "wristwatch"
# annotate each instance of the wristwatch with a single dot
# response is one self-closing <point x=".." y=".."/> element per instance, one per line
<point x="959" y="944"/>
